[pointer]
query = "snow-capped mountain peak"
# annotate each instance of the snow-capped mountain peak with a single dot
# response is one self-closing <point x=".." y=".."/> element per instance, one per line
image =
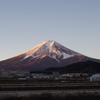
<point x="43" y="56"/>
<point x="51" y="49"/>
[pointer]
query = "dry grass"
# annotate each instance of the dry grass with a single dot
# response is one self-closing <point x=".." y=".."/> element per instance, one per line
<point x="49" y="96"/>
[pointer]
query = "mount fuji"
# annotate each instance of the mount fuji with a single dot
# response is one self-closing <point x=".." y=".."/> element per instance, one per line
<point x="45" y="55"/>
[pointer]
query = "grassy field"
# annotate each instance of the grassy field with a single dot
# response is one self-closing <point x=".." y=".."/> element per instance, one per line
<point x="49" y="96"/>
<point x="45" y="84"/>
<point x="44" y="89"/>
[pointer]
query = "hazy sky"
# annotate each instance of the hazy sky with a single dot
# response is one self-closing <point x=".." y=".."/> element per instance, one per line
<point x="26" y="23"/>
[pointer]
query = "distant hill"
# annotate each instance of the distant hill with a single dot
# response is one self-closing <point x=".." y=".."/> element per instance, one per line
<point x="79" y="67"/>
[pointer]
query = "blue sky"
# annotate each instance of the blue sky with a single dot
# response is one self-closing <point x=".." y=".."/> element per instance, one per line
<point x="26" y="23"/>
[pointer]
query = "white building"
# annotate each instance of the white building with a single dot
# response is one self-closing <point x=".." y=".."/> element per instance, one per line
<point x="95" y="77"/>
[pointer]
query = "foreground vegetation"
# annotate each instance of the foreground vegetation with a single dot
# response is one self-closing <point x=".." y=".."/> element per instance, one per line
<point x="49" y="84"/>
<point x="49" y="96"/>
<point x="45" y="84"/>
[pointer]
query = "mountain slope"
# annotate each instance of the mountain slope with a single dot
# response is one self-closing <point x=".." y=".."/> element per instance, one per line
<point x="45" y="55"/>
